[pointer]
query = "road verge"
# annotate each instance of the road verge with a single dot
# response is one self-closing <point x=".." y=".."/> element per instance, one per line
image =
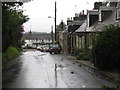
<point x="113" y="76"/>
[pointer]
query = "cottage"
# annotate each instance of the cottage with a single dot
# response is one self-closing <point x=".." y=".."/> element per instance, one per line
<point x="81" y="30"/>
<point x="96" y="19"/>
<point x="85" y="31"/>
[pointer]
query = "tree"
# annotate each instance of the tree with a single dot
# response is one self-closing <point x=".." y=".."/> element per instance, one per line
<point x="59" y="28"/>
<point x="12" y="20"/>
<point x="104" y="3"/>
<point x="107" y="48"/>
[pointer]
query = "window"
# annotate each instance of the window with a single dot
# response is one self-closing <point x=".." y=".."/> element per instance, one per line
<point x="118" y="13"/>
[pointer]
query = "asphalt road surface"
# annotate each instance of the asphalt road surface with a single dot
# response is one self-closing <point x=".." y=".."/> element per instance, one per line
<point x="35" y="69"/>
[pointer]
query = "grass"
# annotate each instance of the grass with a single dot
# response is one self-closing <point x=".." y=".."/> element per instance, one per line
<point x="110" y="88"/>
<point x="10" y="54"/>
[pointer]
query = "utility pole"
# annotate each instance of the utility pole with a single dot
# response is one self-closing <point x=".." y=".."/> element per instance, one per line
<point x="52" y="34"/>
<point x="55" y="22"/>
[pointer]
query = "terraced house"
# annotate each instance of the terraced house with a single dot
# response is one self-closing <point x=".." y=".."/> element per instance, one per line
<point x="34" y="39"/>
<point x="101" y="15"/>
<point x="68" y="36"/>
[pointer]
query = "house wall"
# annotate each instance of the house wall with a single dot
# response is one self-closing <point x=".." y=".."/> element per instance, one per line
<point x="37" y="39"/>
<point x="74" y="40"/>
<point x="65" y="43"/>
<point x="79" y="42"/>
<point x="61" y="39"/>
<point x="35" y="43"/>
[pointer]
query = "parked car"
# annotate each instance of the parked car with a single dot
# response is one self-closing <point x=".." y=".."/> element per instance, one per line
<point x="45" y="49"/>
<point x="23" y="46"/>
<point x="55" y="49"/>
<point x="39" y="48"/>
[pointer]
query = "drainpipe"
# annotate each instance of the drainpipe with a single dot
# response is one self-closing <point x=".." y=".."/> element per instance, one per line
<point x="85" y="41"/>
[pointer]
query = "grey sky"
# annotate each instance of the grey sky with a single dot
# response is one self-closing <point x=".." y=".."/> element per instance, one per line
<point x="39" y="10"/>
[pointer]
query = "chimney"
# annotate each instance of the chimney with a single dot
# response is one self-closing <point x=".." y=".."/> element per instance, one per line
<point x="97" y="5"/>
<point x="83" y="12"/>
<point x="69" y="21"/>
<point x="113" y="4"/>
<point x="76" y="15"/>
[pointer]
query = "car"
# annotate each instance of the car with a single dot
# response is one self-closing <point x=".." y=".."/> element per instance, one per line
<point x="39" y="48"/>
<point x="55" y="49"/>
<point x="45" y="49"/>
<point x="23" y="46"/>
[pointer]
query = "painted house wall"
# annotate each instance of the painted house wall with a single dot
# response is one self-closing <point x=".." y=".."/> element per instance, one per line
<point x="37" y="39"/>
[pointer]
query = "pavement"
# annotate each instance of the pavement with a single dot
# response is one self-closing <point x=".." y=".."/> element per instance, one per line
<point x="113" y="76"/>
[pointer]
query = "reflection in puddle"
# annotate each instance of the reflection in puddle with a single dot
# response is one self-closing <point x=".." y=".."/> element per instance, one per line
<point x="56" y="75"/>
<point x="41" y="55"/>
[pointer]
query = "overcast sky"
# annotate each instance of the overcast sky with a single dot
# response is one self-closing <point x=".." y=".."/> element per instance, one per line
<point x="39" y="10"/>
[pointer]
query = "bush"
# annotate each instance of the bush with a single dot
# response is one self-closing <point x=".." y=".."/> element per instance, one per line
<point x="106" y="50"/>
<point x="19" y="49"/>
<point x="10" y="54"/>
<point x="81" y="54"/>
<point x="75" y="51"/>
<point x="0" y="59"/>
<point x="84" y="55"/>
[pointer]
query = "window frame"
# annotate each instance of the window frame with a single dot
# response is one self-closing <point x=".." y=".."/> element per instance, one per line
<point x="118" y="13"/>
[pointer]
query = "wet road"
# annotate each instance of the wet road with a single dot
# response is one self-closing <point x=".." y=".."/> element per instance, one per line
<point x="34" y="69"/>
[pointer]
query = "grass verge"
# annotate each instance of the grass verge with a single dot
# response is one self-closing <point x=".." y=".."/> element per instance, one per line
<point x="10" y="54"/>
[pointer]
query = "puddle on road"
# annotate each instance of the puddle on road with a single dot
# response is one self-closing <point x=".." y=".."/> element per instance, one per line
<point x="60" y="66"/>
<point x="41" y="55"/>
<point x="35" y="57"/>
<point x="62" y="59"/>
<point x="56" y="82"/>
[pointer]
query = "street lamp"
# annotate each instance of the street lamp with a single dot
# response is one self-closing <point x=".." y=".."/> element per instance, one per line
<point x="55" y="24"/>
<point x="50" y="17"/>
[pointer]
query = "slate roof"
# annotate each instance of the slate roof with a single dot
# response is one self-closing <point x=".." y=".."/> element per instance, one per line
<point x="118" y="4"/>
<point x="111" y="19"/>
<point x="82" y="27"/>
<point x="93" y="12"/>
<point x="106" y="8"/>
<point x="77" y="22"/>
<point x="34" y="36"/>
<point x="66" y="30"/>
<point x="72" y="29"/>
